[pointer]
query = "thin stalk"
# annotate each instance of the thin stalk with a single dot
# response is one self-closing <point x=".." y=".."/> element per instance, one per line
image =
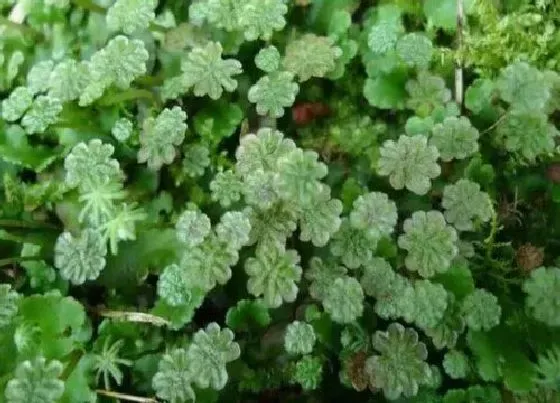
<point x="127" y="95"/>
<point x="24" y="29"/>
<point x="90" y="6"/>
<point x="459" y="84"/>
<point x="123" y="396"/>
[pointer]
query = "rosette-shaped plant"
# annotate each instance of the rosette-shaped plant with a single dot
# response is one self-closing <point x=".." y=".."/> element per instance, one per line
<point x="308" y="372"/>
<point x="374" y="213"/>
<point x="268" y="59"/>
<point x="446" y="333"/>
<point x="456" y="364"/>
<point x="16" y="104"/>
<point x="298" y="177"/>
<point x="299" y="338"/>
<point x="208" y="354"/>
<point x="430" y="242"/>
<point x="8" y="304"/>
<point x="311" y="56"/>
<point x="430" y="300"/>
<point x="160" y="135"/>
<point x="67" y="80"/>
<point x="38" y="76"/>
<point x="524" y="87"/>
<point x="352" y="245"/>
<point x="272" y="226"/>
<point x="455" y="138"/>
<point x="195" y="160"/>
<point x="209" y="263"/>
<point x="209" y="74"/>
<point x="409" y="162"/>
<point x="261" y="151"/>
<point x="274" y="92"/>
<point x="80" y="258"/>
<point x="548" y="367"/>
<point x="527" y="133"/>
<point x="122" y="129"/>
<point x="119" y="63"/>
<point x="320" y="220"/>
<point x="90" y="165"/>
<point x="260" y="18"/>
<point x="192" y="227"/>
<point x="377" y="277"/>
<point x="259" y="189"/>
<point x="426" y="93"/>
<point x="36" y="381"/>
<point x="226" y="188"/>
<point x="273" y="273"/>
<point x="543" y="295"/>
<point x="43" y="112"/>
<point x="322" y="275"/>
<point x="130" y="15"/>
<point x="383" y="36"/>
<point x="344" y="300"/>
<point x="173" y="286"/>
<point x="465" y="204"/>
<point x="415" y="49"/>
<point x="173" y="378"/>
<point x="481" y="310"/>
<point x="233" y="229"/>
<point x="400" y="367"/>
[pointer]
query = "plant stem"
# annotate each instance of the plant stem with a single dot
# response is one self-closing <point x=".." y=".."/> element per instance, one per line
<point x="7" y="223"/>
<point x="128" y="398"/>
<point x="90" y="6"/>
<point x="24" y="29"/>
<point x="127" y="95"/>
<point x="459" y="65"/>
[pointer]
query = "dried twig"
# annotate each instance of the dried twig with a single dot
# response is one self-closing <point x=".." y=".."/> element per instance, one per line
<point x="123" y="396"/>
<point x="459" y="65"/>
<point x="139" y="317"/>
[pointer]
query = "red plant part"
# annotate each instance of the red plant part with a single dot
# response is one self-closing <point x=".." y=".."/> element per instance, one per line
<point x="306" y="112"/>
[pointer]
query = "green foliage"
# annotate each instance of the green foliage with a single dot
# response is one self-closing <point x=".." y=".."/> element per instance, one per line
<point x="308" y="173"/>
<point x="430" y="243"/>
<point x="8" y="304"/>
<point x="211" y="349"/>
<point x="273" y="273"/>
<point x="160" y="135"/>
<point x="208" y="74"/>
<point x="410" y="162"/>
<point x="299" y="338"/>
<point x="399" y="368"/>
<point x="80" y="258"/>
<point x="481" y="310"/>
<point x="311" y="56"/>
<point x="36" y="381"/>
<point x="173" y="378"/>
<point x="130" y="15"/>
<point x="455" y="138"/>
<point x="456" y="364"/>
<point x="308" y="372"/>
<point x="343" y="300"/>
<point x="465" y="204"/>
<point x="542" y="295"/>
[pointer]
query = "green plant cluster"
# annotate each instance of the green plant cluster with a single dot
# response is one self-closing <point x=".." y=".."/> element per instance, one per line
<point x="279" y="200"/>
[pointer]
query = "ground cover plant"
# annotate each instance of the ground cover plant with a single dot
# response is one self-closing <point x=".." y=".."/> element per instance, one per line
<point x="279" y="200"/>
